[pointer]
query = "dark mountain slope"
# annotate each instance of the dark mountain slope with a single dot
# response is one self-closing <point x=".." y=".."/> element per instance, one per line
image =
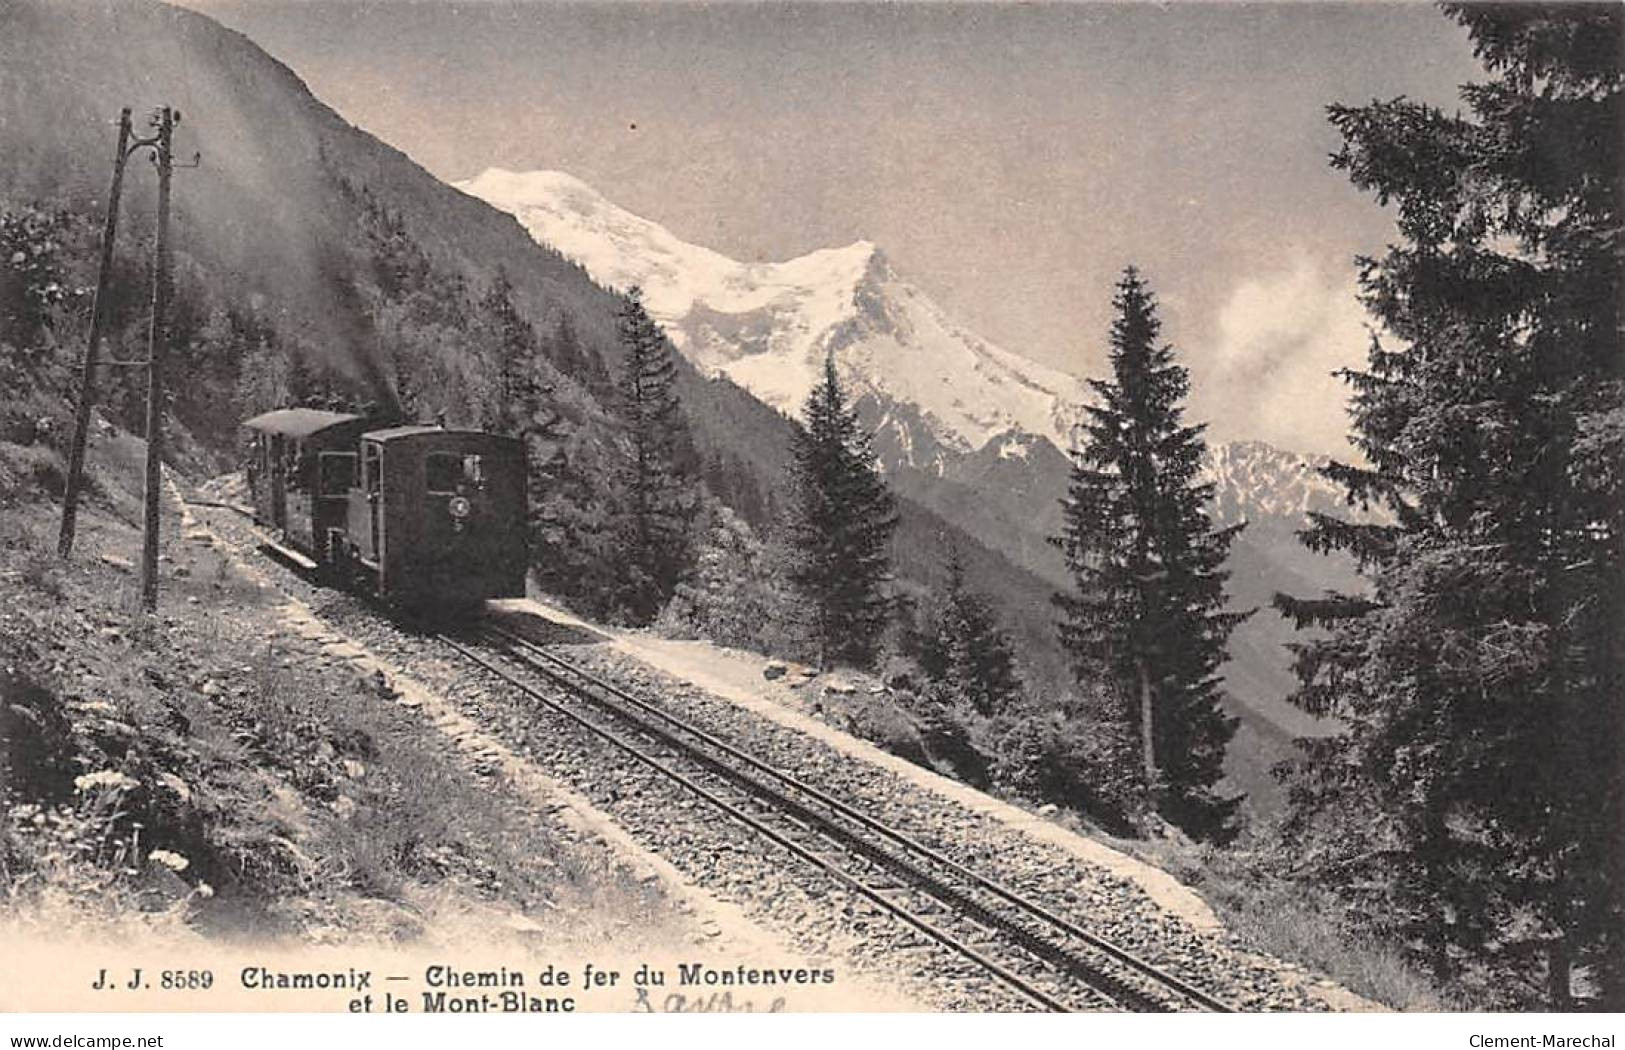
<point x="267" y="210"/>
<point x="276" y="222"/>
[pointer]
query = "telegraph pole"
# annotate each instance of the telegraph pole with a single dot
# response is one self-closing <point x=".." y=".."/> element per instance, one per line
<point x="98" y="319"/>
<point x="157" y="337"/>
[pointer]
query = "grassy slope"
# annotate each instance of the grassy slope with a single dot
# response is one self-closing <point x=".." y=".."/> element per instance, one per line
<point x="310" y="807"/>
<point x="1292" y="921"/>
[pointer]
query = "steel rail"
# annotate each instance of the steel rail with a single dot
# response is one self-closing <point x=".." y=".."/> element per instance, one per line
<point x="829" y="827"/>
<point x="975" y="910"/>
<point x="948" y="940"/>
<point x="1030" y="908"/>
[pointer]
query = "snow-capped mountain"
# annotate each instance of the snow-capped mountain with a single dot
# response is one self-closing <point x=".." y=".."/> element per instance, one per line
<point x="967" y="430"/>
<point x="942" y="400"/>
<point x="1254" y="480"/>
<point x="932" y="389"/>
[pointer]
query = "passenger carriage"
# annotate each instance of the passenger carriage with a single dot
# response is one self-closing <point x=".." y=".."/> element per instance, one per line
<point x="425" y="517"/>
<point x="301" y="468"/>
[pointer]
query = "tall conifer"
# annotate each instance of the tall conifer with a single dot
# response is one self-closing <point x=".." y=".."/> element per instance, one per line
<point x="839" y="529"/>
<point x="966" y="652"/>
<point x="657" y="489"/>
<point x="1146" y="614"/>
<point x="1474" y="806"/>
<point x="515" y="391"/>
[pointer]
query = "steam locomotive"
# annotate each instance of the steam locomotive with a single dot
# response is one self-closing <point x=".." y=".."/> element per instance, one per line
<point x="427" y="519"/>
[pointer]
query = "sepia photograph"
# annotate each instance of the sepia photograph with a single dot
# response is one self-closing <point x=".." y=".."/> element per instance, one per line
<point x="548" y="507"/>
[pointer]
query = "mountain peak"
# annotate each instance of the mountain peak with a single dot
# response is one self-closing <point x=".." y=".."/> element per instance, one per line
<point x="537" y="183"/>
<point x="769" y="326"/>
<point x="869" y="251"/>
<point x="534" y="188"/>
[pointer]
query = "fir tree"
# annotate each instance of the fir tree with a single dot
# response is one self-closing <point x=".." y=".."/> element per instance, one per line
<point x="563" y="348"/>
<point x="1472" y="808"/>
<point x="966" y="653"/>
<point x="510" y="354"/>
<point x="657" y="491"/>
<point x="262" y="373"/>
<point x="571" y="543"/>
<point x="1146" y="616"/>
<point x="839" y="530"/>
<point x="33" y="273"/>
<point x="572" y="540"/>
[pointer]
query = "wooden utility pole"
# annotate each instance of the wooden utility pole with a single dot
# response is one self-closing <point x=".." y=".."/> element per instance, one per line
<point x="157" y="337"/>
<point x="98" y="319"/>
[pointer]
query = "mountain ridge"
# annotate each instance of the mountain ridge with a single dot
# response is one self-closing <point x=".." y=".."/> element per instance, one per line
<point x="769" y="326"/>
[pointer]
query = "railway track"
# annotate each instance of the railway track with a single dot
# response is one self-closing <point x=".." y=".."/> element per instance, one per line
<point x="1001" y="934"/>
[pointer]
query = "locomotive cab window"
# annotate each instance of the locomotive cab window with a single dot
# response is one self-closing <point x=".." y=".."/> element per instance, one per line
<point x="442" y="471"/>
<point x="338" y="473"/>
<point x="446" y="472"/>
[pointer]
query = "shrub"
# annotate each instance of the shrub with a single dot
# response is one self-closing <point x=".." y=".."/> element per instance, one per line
<point x="28" y="471"/>
<point x="946" y="725"/>
<point x="1046" y="756"/>
<point x="731" y="595"/>
<point x="36" y="741"/>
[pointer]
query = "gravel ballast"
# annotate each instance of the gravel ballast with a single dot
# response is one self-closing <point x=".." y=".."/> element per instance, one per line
<point x="816" y="915"/>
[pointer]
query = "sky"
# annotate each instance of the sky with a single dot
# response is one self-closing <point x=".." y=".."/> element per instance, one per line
<point x="1010" y="159"/>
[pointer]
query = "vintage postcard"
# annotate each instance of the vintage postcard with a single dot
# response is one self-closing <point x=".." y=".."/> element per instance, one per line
<point x="530" y="508"/>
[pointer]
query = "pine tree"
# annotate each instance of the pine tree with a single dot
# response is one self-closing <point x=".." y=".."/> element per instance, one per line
<point x="1146" y="616"/>
<point x="657" y="490"/>
<point x="839" y="529"/>
<point x="563" y="348"/>
<point x="966" y="653"/>
<point x="573" y="545"/>
<point x="511" y="398"/>
<point x="33" y="272"/>
<point x="1479" y="679"/>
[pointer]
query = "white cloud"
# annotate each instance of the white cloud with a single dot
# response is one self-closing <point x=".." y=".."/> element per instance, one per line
<point x="1278" y="337"/>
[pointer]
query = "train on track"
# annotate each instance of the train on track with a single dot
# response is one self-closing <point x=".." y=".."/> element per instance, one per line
<point x="427" y="519"/>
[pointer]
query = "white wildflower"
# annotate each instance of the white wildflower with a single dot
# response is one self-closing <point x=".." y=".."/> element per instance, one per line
<point x="177" y="785"/>
<point x="169" y="859"/>
<point x="104" y="778"/>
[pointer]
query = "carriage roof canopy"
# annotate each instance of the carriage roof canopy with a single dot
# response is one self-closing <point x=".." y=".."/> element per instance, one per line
<point x="298" y="422"/>
<point x="404" y="433"/>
